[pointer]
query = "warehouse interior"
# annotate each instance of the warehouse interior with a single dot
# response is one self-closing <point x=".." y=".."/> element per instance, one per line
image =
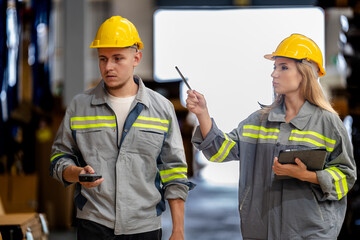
<point x="46" y="60"/>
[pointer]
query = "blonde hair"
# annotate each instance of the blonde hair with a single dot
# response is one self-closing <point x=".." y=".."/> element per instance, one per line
<point x="309" y="87"/>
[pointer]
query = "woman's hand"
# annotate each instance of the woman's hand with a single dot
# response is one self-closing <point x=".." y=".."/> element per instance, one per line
<point x="196" y="104"/>
<point x="291" y="170"/>
<point x="297" y="170"/>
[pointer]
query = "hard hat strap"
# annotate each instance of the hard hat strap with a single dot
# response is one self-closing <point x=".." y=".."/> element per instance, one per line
<point x="135" y="46"/>
<point x="313" y="66"/>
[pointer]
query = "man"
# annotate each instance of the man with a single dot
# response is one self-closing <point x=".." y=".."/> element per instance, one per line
<point x="130" y="135"/>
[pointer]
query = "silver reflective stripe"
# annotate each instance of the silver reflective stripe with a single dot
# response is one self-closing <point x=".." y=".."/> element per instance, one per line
<point x="340" y="181"/>
<point x="224" y="150"/>
<point x="260" y="132"/>
<point x="174" y="173"/>
<point x="313" y="138"/>
<point x="92" y="122"/>
<point x="88" y="122"/>
<point x="152" y="123"/>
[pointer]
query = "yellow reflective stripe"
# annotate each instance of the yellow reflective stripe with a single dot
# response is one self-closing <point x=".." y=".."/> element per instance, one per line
<point x="173" y="177"/>
<point x="260" y="136"/>
<point x="173" y="170"/>
<point x="92" y="118"/>
<point x="315" y="134"/>
<point x="227" y="151"/>
<point x="55" y="156"/>
<point x="92" y="122"/>
<point x="153" y="119"/>
<point x="150" y="126"/>
<point x="343" y="179"/>
<point x="261" y="128"/>
<point x="334" y="173"/>
<point x="93" y="125"/>
<point x="174" y="173"/>
<point x="272" y="132"/>
<point x="310" y="141"/>
<point x="150" y="122"/>
<point x="327" y="142"/>
<point x="224" y="150"/>
<point x="337" y="186"/>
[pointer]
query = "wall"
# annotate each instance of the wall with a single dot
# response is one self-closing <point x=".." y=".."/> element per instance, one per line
<point x="140" y="13"/>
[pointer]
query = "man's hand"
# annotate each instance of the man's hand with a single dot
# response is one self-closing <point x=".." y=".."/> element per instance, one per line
<point x="177" y="207"/>
<point x="177" y="235"/>
<point x="88" y="169"/>
<point x="71" y="174"/>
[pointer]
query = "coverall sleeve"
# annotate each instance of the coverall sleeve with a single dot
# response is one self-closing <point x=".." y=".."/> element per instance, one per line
<point x="217" y="145"/>
<point x="339" y="174"/>
<point x="63" y="152"/>
<point x="172" y="162"/>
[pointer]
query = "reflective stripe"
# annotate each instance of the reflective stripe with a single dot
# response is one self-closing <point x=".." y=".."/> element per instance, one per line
<point x="55" y="156"/>
<point x="92" y="122"/>
<point x="313" y="138"/>
<point x="260" y="132"/>
<point x="149" y="122"/>
<point x="341" y="189"/>
<point x="224" y="150"/>
<point x="174" y="173"/>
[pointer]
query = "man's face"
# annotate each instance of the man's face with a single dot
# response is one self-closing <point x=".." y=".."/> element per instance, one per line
<point x="117" y="66"/>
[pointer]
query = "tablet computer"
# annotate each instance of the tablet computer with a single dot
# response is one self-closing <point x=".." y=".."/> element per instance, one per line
<point x="313" y="158"/>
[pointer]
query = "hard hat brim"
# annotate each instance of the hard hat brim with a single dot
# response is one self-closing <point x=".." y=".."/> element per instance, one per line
<point x="272" y="58"/>
<point x="269" y="57"/>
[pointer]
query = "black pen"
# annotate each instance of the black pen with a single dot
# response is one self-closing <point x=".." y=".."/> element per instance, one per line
<point x="177" y="69"/>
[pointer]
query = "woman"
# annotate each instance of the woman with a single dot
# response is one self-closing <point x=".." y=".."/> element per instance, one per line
<point x="309" y="204"/>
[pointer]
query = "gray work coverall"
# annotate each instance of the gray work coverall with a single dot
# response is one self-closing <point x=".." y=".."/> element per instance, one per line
<point x="286" y="209"/>
<point x="140" y="170"/>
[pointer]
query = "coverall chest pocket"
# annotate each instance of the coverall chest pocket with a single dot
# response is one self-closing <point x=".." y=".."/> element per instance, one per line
<point x="148" y="138"/>
<point x="96" y="140"/>
<point x="146" y="142"/>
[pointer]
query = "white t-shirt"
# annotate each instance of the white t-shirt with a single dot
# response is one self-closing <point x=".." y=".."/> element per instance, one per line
<point x="121" y="107"/>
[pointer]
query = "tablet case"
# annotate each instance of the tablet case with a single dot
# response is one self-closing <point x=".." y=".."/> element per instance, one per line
<point x="313" y="158"/>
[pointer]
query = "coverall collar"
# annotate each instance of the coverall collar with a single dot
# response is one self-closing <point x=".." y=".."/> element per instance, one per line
<point x="141" y="95"/>
<point x="299" y="121"/>
<point x="100" y="93"/>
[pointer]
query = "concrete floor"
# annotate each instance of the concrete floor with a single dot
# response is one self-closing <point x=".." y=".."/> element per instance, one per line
<point x="211" y="213"/>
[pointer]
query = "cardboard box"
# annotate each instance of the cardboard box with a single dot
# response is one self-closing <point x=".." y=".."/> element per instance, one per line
<point x="2" y="211"/>
<point x="19" y="226"/>
<point x="55" y="200"/>
<point x="4" y="185"/>
<point x="19" y="193"/>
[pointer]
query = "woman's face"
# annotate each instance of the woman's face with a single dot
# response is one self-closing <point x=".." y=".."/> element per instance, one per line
<point x="286" y="77"/>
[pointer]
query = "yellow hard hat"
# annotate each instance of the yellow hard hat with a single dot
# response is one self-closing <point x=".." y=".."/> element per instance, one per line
<point x="116" y="32"/>
<point x="299" y="47"/>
